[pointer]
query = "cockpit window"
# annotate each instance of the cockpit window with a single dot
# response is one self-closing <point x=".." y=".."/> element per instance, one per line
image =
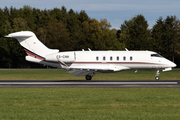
<point x="155" y="55"/>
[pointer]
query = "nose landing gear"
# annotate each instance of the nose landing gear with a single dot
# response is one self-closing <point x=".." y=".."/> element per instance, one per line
<point x="157" y="75"/>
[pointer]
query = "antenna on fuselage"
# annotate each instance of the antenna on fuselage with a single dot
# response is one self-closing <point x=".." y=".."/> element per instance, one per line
<point x="126" y="49"/>
<point x="89" y="49"/>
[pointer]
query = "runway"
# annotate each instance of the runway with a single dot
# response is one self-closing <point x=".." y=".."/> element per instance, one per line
<point x="90" y="84"/>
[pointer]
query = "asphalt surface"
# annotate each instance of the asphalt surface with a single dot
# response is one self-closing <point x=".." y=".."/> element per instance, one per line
<point x="90" y="84"/>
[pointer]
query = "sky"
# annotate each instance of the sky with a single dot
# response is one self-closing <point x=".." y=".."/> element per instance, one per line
<point x="115" y="11"/>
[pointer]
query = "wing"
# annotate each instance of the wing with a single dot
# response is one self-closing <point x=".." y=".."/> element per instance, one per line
<point x="93" y="70"/>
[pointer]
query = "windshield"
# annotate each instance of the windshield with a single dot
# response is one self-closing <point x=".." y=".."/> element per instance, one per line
<point x="155" y="55"/>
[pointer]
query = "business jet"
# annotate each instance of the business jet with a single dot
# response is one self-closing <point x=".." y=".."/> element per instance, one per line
<point x="88" y="63"/>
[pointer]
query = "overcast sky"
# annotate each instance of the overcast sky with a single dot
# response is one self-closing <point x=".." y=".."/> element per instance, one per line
<point x="115" y="11"/>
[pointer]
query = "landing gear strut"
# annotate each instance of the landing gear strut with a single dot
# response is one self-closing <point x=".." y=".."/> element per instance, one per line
<point x="157" y="75"/>
<point x="88" y="77"/>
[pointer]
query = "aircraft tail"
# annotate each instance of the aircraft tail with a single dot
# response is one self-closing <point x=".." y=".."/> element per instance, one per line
<point x="32" y="45"/>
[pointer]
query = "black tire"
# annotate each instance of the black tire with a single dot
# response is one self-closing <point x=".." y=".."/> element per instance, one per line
<point x="88" y="77"/>
<point x="157" y="78"/>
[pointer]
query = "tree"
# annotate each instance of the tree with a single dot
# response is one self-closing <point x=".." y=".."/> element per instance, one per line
<point x="73" y="28"/>
<point x="28" y="16"/>
<point x="19" y="24"/>
<point x="166" y="36"/>
<point x="108" y="37"/>
<point x="42" y="35"/>
<point x="57" y="36"/>
<point x="56" y="13"/>
<point x="84" y="40"/>
<point x="101" y="37"/>
<point x="135" y="33"/>
<point x="5" y="45"/>
<point x="83" y="16"/>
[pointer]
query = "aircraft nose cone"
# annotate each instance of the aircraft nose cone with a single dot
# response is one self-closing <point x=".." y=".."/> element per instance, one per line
<point x="173" y="64"/>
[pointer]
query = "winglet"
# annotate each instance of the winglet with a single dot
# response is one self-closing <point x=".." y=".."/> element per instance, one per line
<point x="126" y="49"/>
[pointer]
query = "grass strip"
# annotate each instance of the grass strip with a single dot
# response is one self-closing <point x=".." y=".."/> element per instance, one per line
<point x="63" y="75"/>
<point x="90" y="103"/>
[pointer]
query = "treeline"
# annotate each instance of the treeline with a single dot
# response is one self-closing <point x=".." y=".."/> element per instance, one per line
<point x="70" y="30"/>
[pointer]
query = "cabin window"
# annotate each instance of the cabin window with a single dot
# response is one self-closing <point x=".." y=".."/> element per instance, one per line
<point x="131" y="58"/>
<point x="111" y="58"/>
<point x="117" y="58"/>
<point x="104" y="58"/>
<point x="124" y="58"/>
<point x="97" y="58"/>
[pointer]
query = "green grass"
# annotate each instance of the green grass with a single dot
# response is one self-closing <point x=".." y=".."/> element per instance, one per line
<point x="63" y="75"/>
<point x="90" y="103"/>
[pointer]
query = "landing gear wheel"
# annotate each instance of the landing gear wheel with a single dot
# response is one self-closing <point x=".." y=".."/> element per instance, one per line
<point x="157" y="75"/>
<point x="88" y="77"/>
<point x="157" y="78"/>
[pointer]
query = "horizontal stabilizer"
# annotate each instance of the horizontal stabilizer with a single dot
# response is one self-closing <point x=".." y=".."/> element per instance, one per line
<point x="22" y="34"/>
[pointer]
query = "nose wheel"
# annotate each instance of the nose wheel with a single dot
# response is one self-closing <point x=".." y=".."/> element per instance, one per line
<point x="157" y="78"/>
<point x="157" y="75"/>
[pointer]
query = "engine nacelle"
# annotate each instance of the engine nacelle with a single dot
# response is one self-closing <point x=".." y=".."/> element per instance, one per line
<point x="62" y="56"/>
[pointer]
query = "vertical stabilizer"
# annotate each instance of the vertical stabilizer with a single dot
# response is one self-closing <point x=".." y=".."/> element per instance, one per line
<point x="32" y="45"/>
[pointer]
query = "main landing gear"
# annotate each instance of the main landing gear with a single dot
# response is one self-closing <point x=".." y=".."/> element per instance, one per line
<point x="157" y="75"/>
<point x="88" y="77"/>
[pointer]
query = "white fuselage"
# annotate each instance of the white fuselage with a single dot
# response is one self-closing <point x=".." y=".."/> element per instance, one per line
<point x="130" y="59"/>
<point x="111" y="60"/>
